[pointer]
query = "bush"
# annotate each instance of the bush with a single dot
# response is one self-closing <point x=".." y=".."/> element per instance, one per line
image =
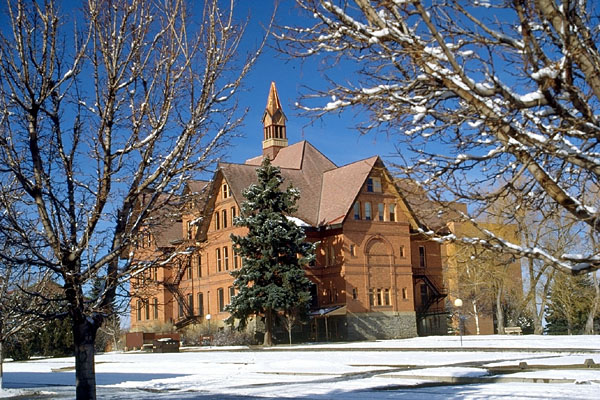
<point x="233" y="338"/>
<point x="192" y="335"/>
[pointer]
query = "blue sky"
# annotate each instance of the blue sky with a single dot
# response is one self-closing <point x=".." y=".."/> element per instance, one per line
<point x="333" y="135"/>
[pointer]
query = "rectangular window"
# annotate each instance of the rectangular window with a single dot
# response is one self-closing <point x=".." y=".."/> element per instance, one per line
<point x="188" y="269"/>
<point x="147" y="309"/>
<point x="422" y="258"/>
<point x="370" y="185"/>
<point x="200" y="304"/>
<point x="139" y="310"/>
<point x="404" y="293"/>
<point x="402" y="254"/>
<point x="371" y="298"/>
<point x="217" y="221"/>
<point x="189" y="230"/>
<point x="155" y="306"/>
<point x="377" y="185"/>
<point x="392" y="210"/>
<point x="225" y="191"/>
<point x="191" y="302"/>
<point x="181" y="312"/>
<point x="424" y="294"/>
<point x="368" y="211"/>
<point x="233" y="215"/>
<point x="380" y="211"/>
<point x="218" y="253"/>
<point x="226" y="258"/>
<point x="220" y="299"/>
<point x="224" y="213"/>
<point x="231" y="293"/>
<point x="356" y="210"/>
<point x="199" y="265"/>
<point x="354" y="294"/>
<point x="236" y="260"/>
<point x="386" y="297"/>
<point x="379" y="298"/>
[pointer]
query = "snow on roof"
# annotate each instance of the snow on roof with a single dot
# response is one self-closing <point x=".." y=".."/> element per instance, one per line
<point x="297" y="221"/>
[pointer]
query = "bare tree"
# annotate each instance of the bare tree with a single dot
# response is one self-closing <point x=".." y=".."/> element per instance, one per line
<point x="594" y="306"/>
<point x="474" y="100"/>
<point x="99" y="106"/>
<point x="18" y="313"/>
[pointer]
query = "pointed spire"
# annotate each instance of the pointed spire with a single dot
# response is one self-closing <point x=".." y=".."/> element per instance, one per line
<point x="273" y="103"/>
<point x="275" y="137"/>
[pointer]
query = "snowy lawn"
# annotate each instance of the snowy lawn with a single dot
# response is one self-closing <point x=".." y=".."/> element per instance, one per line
<point x="418" y="368"/>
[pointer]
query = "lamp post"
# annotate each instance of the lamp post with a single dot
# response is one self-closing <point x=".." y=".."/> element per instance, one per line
<point x="322" y="312"/>
<point x="458" y="304"/>
<point x="208" y="317"/>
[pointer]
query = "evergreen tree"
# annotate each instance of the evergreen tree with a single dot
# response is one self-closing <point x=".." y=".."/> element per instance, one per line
<point x="271" y="280"/>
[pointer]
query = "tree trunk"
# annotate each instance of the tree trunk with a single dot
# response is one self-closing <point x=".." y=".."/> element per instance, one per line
<point x="1" y="361"/>
<point x="84" y="335"/>
<point x="589" y="324"/>
<point x="268" y="341"/>
<point x="499" y="311"/>
<point x="476" y="315"/>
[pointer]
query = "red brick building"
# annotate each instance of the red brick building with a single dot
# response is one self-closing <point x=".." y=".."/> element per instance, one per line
<point x="374" y="276"/>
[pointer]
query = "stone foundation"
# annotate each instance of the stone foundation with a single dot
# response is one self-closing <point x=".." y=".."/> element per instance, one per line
<point x="381" y="325"/>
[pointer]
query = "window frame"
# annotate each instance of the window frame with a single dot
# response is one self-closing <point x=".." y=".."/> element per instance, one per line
<point x="226" y="258"/>
<point x="422" y="257"/>
<point x="221" y="299"/>
<point x="200" y="296"/>
<point x="218" y="256"/>
<point x="356" y="209"/>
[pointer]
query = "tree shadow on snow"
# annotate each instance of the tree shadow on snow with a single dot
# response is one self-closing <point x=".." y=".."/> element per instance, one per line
<point x="26" y="380"/>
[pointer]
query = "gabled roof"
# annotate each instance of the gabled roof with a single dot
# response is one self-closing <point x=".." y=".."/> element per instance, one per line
<point x="164" y="221"/>
<point x="327" y="192"/>
<point x="434" y="215"/>
<point x="340" y="189"/>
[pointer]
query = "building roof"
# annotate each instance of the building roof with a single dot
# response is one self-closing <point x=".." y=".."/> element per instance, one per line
<point x="435" y="215"/>
<point x="327" y="192"/>
<point x="340" y="188"/>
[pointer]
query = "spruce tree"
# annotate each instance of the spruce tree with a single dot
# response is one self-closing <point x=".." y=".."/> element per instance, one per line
<point x="271" y="280"/>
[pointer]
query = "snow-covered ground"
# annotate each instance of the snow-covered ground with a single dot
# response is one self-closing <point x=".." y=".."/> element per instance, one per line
<point x="419" y="368"/>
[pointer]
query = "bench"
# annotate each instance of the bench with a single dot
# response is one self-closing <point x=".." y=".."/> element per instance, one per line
<point x="513" y="330"/>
